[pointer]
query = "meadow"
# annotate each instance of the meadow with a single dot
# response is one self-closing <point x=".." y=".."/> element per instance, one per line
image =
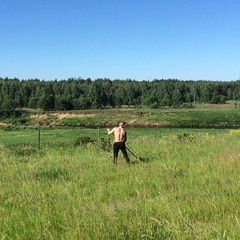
<point x="198" y="116"/>
<point x="188" y="189"/>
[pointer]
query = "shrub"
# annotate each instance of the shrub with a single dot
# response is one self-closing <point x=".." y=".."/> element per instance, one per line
<point x="105" y="144"/>
<point x="235" y="131"/>
<point x="186" y="136"/>
<point x="83" y="141"/>
<point x="24" y="150"/>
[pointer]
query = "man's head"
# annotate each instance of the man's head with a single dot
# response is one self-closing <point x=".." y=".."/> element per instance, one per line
<point x="122" y="123"/>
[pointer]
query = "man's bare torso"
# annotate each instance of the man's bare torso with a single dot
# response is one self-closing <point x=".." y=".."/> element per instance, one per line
<point x="119" y="133"/>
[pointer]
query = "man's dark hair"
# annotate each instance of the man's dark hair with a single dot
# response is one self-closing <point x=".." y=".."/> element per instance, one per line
<point x="122" y="123"/>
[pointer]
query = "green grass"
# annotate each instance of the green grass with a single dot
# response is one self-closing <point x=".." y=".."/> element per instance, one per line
<point x="189" y="189"/>
<point x="201" y="115"/>
<point x="161" y="117"/>
<point x="67" y="136"/>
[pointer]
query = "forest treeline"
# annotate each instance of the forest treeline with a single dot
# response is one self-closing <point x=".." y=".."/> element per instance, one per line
<point x="78" y="93"/>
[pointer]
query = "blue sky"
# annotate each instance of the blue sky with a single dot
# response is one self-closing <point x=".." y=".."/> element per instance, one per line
<point x="120" y="39"/>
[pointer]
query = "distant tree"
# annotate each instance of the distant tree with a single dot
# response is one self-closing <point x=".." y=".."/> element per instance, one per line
<point x="46" y="102"/>
<point x="166" y="101"/>
<point x="101" y="93"/>
<point x="215" y="98"/>
<point x="229" y="94"/>
<point x="7" y="104"/>
<point x="97" y="95"/>
<point x="222" y="99"/>
<point x="33" y="103"/>
<point x="84" y="102"/>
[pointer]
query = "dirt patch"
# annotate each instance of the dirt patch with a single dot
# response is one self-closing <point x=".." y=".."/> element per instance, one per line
<point x="3" y="124"/>
<point x="60" y="116"/>
<point x="132" y="121"/>
<point x="39" y="116"/>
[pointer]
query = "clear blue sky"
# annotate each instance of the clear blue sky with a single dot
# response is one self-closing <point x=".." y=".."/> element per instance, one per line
<point x="120" y="39"/>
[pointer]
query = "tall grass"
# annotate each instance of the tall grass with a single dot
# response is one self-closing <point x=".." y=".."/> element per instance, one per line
<point x="189" y="189"/>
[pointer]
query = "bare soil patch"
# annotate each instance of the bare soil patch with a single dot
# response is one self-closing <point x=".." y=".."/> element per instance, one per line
<point x="60" y="116"/>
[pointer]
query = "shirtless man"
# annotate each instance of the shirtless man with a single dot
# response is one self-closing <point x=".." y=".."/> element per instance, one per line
<point x="119" y="143"/>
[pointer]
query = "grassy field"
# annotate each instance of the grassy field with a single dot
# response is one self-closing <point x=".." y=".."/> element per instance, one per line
<point x="201" y="115"/>
<point x="163" y="118"/>
<point x="188" y="189"/>
<point x="67" y="136"/>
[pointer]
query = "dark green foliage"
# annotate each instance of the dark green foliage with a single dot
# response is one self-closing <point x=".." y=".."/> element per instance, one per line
<point x="12" y="113"/>
<point x="76" y="94"/>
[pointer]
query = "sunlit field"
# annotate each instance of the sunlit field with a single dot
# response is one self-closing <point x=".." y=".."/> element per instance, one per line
<point x="188" y="187"/>
<point x="57" y="136"/>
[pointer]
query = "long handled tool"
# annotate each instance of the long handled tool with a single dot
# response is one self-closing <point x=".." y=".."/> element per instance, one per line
<point x="140" y="158"/>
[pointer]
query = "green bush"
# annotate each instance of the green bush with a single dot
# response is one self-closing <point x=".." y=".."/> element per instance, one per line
<point x="83" y="141"/>
<point x="24" y="150"/>
<point x="105" y="144"/>
<point x="186" y="136"/>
